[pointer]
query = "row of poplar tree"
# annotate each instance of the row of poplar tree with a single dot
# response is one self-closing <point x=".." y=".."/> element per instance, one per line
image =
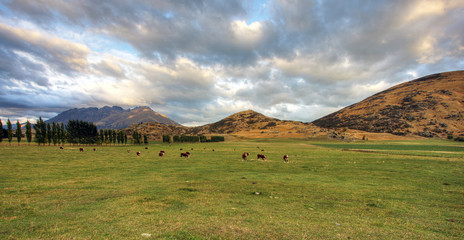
<point x="75" y="132"/>
<point x="18" y="133"/>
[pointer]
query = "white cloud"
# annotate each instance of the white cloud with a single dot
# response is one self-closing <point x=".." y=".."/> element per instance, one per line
<point x="197" y="62"/>
<point x="246" y="36"/>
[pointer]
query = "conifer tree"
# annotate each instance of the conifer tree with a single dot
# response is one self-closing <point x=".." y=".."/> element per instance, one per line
<point x="49" y="134"/>
<point x="40" y="131"/>
<point x="110" y="135"/>
<point x="106" y="136"/>
<point x="102" y="136"/>
<point x="63" y="134"/>
<point x="1" y="131"/>
<point x="54" y="133"/>
<point x="28" y="132"/>
<point x="19" y="132"/>
<point x="9" y="130"/>
<point x="58" y="133"/>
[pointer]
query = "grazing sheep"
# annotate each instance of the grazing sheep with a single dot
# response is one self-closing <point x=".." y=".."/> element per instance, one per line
<point x="286" y="158"/>
<point x="186" y="154"/>
<point x="94" y="149"/>
<point x="245" y="155"/>
<point x="138" y="154"/>
<point x="81" y="149"/>
<point x="161" y="153"/>
<point x="128" y="151"/>
<point x="261" y="156"/>
<point x="61" y="147"/>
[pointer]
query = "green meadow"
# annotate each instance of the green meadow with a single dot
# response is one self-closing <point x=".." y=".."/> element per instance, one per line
<point x="328" y="190"/>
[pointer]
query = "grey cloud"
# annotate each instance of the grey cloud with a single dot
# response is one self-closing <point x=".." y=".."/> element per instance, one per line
<point x="63" y="56"/>
<point x="110" y="68"/>
<point x="14" y="67"/>
<point x="310" y="54"/>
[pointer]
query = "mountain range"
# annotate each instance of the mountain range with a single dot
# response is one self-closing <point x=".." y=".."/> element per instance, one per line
<point x="113" y="117"/>
<point x="431" y="106"/>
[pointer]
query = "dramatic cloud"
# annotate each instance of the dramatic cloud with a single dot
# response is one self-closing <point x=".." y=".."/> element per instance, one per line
<point x="199" y="61"/>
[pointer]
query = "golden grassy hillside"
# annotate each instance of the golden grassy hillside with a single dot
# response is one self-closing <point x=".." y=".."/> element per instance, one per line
<point x="431" y="106"/>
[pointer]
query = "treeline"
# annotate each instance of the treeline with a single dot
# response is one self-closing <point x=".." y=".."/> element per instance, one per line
<point x="18" y="133"/>
<point x="81" y="132"/>
<point x="109" y="136"/>
<point x="187" y="138"/>
<point x="76" y="132"/>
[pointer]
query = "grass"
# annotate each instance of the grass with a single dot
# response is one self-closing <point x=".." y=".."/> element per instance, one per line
<point x="413" y="190"/>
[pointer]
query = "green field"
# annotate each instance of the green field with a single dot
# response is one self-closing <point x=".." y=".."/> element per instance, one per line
<point x="328" y="190"/>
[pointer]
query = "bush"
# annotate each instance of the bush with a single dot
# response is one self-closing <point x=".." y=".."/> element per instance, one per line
<point x="217" y="138"/>
<point x="459" y="139"/>
<point x="185" y="138"/>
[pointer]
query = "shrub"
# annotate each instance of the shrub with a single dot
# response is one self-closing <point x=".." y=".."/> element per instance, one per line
<point x="217" y="139"/>
<point x="459" y="139"/>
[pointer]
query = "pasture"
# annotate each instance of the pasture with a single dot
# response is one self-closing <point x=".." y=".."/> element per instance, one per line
<point x="328" y="190"/>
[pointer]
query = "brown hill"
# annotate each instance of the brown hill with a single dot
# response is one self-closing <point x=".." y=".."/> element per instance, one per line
<point x="246" y="124"/>
<point x="252" y="124"/>
<point x="431" y="106"/>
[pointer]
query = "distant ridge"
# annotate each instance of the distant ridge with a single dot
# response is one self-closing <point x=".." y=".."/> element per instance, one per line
<point x="430" y="106"/>
<point x="113" y="117"/>
<point x="245" y="124"/>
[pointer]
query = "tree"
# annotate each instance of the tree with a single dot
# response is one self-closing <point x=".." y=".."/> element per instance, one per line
<point x="28" y="132"/>
<point x="19" y="132"/>
<point x="120" y="137"/>
<point x="1" y="132"/>
<point x="110" y="135"/>
<point x="40" y="131"/>
<point x="63" y="134"/>
<point x="49" y="134"/>
<point x="136" y="137"/>
<point x="54" y="133"/>
<point x="145" y="139"/>
<point x="10" y="130"/>
<point x="125" y="138"/>
<point x="114" y="137"/>
<point x="106" y="136"/>
<point x="102" y="136"/>
<point x="166" y="138"/>
<point x="81" y="132"/>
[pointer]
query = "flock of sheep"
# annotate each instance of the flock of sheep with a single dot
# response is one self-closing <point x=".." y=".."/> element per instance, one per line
<point x="187" y="154"/>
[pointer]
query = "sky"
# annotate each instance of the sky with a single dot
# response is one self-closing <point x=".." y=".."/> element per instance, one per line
<point x="199" y="61"/>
